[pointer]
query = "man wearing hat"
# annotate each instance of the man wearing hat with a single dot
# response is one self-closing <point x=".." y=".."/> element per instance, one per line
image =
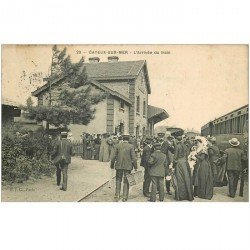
<point x="62" y="158"/>
<point x="234" y="166"/>
<point x="157" y="170"/>
<point x="167" y="149"/>
<point x="123" y="160"/>
<point x="146" y="153"/>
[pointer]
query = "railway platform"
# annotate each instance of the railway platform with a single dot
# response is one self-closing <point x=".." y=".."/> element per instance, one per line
<point x="84" y="176"/>
<point x="88" y="182"/>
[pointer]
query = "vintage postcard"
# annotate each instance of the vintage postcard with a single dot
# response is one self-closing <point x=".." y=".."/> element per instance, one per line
<point x="125" y="123"/>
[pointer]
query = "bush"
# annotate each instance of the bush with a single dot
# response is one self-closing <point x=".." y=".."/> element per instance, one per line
<point x="25" y="154"/>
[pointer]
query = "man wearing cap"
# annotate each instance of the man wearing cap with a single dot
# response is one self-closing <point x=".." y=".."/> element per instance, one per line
<point x="157" y="170"/>
<point x="234" y="166"/>
<point x="167" y="149"/>
<point x="123" y="160"/>
<point x="146" y="153"/>
<point x="62" y="158"/>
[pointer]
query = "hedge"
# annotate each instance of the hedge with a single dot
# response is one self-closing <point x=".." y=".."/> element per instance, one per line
<point x="25" y="154"/>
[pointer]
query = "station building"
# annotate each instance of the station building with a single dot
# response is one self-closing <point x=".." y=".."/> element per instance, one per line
<point x="125" y="109"/>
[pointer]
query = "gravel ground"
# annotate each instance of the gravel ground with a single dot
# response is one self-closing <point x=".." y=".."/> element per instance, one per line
<point x="84" y="177"/>
<point x="81" y="174"/>
<point x="106" y="194"/>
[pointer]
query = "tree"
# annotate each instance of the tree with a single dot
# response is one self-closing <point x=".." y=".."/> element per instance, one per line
<point x="76" y="103"/>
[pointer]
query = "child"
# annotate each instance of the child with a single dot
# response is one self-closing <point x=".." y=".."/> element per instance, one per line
<point x="157" y="171"/>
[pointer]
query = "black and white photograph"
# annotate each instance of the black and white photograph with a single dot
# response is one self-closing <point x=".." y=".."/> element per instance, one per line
<point x="125" y="123"/>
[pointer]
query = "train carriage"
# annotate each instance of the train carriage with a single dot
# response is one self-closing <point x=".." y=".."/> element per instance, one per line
<point x="233" y="124"/>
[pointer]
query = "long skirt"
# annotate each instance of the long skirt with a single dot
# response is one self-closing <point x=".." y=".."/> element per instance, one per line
<point x="88" y="154"/>
<point x="183" y="189"/>
<point x="204" y="181"/>
<point x="104" y="155"/>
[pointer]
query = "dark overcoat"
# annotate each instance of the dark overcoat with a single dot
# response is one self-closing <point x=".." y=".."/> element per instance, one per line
<point x="234" y="157"/>
<point x="62" y="147"/>
<point x="166" y="147"/>
<point x="146" y="153"/>
<point x="158" y="164"/>
<point x="124" y="157"/>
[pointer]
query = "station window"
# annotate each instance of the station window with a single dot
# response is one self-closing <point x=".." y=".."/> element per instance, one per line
<point x="138" y="104"/>
<point x="122" y="104"/>
<point x="144" y="108"/>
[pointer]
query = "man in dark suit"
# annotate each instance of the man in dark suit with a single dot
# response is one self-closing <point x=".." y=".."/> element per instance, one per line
<point x="167" y="148"/>
<point x="62" y="158"/>
<point x="123" y="160"/>
<point x="146" y="153"/>
<point x="157" y="170"/>
<point x="235" y="155"/>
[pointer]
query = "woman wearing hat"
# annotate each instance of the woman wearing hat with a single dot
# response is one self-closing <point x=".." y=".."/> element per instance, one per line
<point x="183" y="189"/>
<point x="203" y="176"/>
<point x="234" y="165"/>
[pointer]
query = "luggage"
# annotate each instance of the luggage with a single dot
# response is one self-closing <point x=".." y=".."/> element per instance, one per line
<point x="135" y="178"/>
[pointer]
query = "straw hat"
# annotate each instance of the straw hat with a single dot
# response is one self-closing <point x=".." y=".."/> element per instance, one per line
<point x="234" y="142"/>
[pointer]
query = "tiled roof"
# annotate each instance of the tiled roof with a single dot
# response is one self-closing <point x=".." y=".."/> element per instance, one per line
<point x="9" y="102"/>
<point x="157" y="114"/>
<point x="122" y="69"/>
<point x="109" y="71"/>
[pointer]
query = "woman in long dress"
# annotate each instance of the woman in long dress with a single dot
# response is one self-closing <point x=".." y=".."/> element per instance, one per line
<point x="203" y="176"/>
<point x="88" y="148"/>
<point x="104" y="154"/>
<point x="97" y="143"/>
<point x="183" y="190"/>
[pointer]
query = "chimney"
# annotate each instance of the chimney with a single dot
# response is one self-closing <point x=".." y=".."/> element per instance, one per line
<point x="113" y="58"/>
<point x="94" y="59"/>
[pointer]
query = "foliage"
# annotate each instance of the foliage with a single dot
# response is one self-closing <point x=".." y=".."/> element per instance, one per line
<point x="25" y="154"/>
<point x="76" y="103"/>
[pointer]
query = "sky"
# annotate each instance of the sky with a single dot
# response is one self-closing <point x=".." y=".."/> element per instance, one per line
<point x="193" y="83"/>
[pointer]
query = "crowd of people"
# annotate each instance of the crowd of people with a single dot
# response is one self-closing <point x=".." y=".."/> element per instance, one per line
<point x="100" y="146"/>
<point x="192" y="167"/>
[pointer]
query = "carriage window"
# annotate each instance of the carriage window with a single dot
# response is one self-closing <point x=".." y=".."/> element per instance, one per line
<point x="238" y="125"/>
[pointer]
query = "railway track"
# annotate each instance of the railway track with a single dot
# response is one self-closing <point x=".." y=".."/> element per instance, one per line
<point x="86" y="196"/>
